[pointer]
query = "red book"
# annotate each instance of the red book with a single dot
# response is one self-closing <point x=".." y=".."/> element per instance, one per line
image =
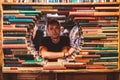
<point x="82" y="8"/>
<point x="81" y="13"/>
<point x="95" y="67"/>
<point x="84" y="18"/>
<point x="54" y="68"/>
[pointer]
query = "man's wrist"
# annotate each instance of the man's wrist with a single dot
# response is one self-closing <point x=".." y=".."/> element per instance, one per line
<point x="64" y="55"/>
<point x="67" y="54"/>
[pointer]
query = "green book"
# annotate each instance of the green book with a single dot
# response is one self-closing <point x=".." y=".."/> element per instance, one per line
<point x="104" y="60"/>
<point x="34" y="61"/>
<point x="106" y="52"/>
<point x="14" y="42"/>
<point x="99" y="48"/>
<point x="98" y="36"/>
<point x="30" y="12"/>
<point x="6" y="22"/>
<point x="105" y="48"/>
<point x="112" y="67"/>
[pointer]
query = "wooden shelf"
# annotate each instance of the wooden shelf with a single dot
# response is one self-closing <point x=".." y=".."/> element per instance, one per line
<point x="64" y="4"/>
<point x="39" y="69"/>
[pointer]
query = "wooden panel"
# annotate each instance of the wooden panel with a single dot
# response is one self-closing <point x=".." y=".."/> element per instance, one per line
<point x="62" y="76"/>
<point x="85" y="76"/>
<point x="46" y="76"/>
<point x="20" y="76"/>
<point x="29" y="76"/>
<point x="1" y="74"/>
<point x="77" y="76"/>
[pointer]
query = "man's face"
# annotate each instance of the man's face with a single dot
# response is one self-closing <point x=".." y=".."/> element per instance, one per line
<point x="53" y="31"/>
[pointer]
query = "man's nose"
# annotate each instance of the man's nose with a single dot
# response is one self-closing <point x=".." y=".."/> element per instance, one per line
<point x="54" y="31"/>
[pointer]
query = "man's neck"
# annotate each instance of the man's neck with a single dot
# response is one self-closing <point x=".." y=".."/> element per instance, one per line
<point x="56" y="40"/>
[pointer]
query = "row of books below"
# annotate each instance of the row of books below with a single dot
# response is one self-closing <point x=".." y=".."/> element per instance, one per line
<point x="79" y="62"/>
<point x="59" y="66"/>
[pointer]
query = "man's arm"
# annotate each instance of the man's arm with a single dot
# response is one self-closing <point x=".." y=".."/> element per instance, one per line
<point x="53" y="55"/>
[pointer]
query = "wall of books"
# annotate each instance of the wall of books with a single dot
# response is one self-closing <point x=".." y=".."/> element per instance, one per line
<point x="18" y="24"/>
<point x="97" y="23"/>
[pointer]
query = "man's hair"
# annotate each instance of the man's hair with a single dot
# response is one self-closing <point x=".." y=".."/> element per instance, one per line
<point x="53" y="22"/>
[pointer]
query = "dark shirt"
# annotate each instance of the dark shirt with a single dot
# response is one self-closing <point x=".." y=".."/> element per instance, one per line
<point x="47" y="42"/>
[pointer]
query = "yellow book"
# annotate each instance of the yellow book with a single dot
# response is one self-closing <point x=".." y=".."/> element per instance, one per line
<point x="11" y="12"/>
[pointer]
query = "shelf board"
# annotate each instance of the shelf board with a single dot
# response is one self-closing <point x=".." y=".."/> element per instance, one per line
<point x="36" y="70"/>
<point x="106" y="3"/>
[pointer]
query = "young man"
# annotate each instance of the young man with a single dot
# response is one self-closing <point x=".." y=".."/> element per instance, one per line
<point x="54" y="46"/>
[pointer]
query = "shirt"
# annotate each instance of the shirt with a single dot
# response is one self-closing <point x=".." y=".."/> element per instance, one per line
<point x="47" y="42"/>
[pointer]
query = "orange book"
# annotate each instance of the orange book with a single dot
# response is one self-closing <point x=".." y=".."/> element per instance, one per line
<point x="54" y="68"/>
<point x="13" y="38"/>
<point x="106" y="8"/>
<point x="15" y="29"/>
<point x="47" y="10"/>
<point x="87" y="56"/>
<point x="82" y="60"/>
<point x="9" y="26"/>
<point x="84" y="18"/>
<point x="75" y="65"/>
<point x="14" y="46"/>
<point x="106" y="13"/>
<point x="94" y="13"/>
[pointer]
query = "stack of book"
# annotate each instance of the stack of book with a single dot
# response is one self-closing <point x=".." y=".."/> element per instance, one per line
<point x="18" y="22"/>
<point x="100" y="34"/>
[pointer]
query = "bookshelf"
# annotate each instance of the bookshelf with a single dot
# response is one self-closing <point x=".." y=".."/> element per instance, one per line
<point x="101" y="10"/>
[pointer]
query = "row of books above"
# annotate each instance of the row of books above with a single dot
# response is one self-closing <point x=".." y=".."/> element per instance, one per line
<point x="84" y="14"/>
<point x="59" y="1"/>
<point x="57" y="7"/>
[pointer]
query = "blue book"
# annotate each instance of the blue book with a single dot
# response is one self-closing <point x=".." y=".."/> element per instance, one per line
<point x="20" y="20"/>
<point x="8" y="17"/>
<point x="18" y="7"/>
